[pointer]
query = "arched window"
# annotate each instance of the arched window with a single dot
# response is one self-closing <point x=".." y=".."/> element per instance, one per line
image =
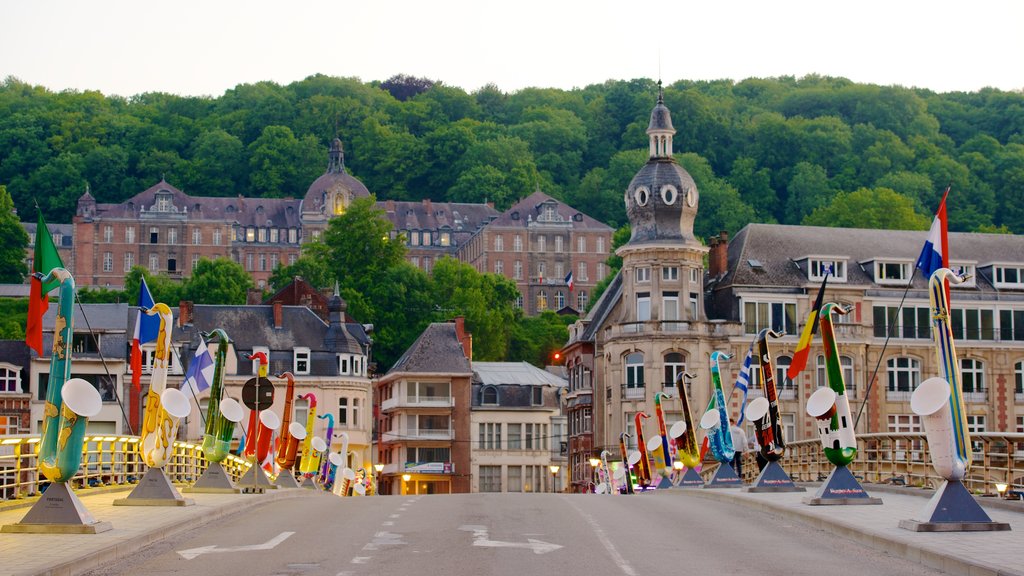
<point x="781" y="366"/>
<point x="904" y="374"/>
<point x="675" y="365"/>
<point x="972" y="375"/>
<point x="542" y="300"/>
<point x="489" y="396"/>
<point x="635" y="370"/>
<point x="847" y="363"/>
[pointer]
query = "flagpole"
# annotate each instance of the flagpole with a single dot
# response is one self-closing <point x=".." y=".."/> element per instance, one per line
<point x="103" y="361"/>
<point x="888" y="335"/>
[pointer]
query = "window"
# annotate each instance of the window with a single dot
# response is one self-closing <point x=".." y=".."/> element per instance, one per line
<point x="172" y="264"/>
<point x="515" y="478"/>
<point x="108" y="234"/>
<point x="261" y="235"/>
<point x="581" y="244"/>
<point x="129" y="235"/>
<point x="195" y="261"/>
<point x="643" y="275"/>
<point x="781" y="367"/>
<point x="172" y="235"/>
<point x="343" y="412"/>
<point x="446" y="238"/>
<point x="1018" y="378"/>
<point x="10" y="378"/>
<point x="250" y="234"/>
<point x="108" y="261"/>
<point x="559" y="270"/>
<point x="9" y="425"/>
<point x="972" y="324"/>
<point x="519" y="301"/>
<point x="975" y="424"/>
<point x="515" y="436"/>
<point x="972" y="375"/>
<point x="263" y="262"/>
<point x="581" y="270"/>
<point x="490" y="478"/>
<point x="354" y="411"/>
<point x="581" y="300"/>
<point x="694" y="306"/>
<point x="600" y="245"/>
<point x="817" y="268"/>
<point x="542" y="300"/>
<point x="154" y="235"/>
<point x="1009" y="277"/>
<point x="904" y="423"/>
<point x="1011" y="325"/>
<point x="675" y="365"/>
<point x="414" y="238"/>
<point x="670" y="306"/>
<point x="643" y="306"/>
<point x="154" y="263"/>
<point x="541" y="270"/>
<point x="499" y="244"/>
<point x="163" y="203"/>
<point x="891" y="272"/>
<point x="517" y="270"/>
<point x="779" y="316"/>
<point x="129" y="261"/>
<point x="537" y="396"/>
<point x="517" y="243"/>
<point x="490" y="436"/>
<point x="275" y="237"/>
<point x="601" y="271"/>
<point x="559" y="244"/>
<point x="489" y="396"/>
<point x="670" y="273"/>
<point x="248" y="262"/>
<point x="197" y="236"/>
<point x="542" y="244"/>
<point x="559" y="300"/>
<point x="293" y="235"/>
<point x="788" y="422"/>
<point x="216" y="236"/>
<point x="910" y="322"/>
<point x="904" y="374"/>
<point x="273" y="261"/>
<point x="693" y="275"/>
<point x="300" y="361"/>
<point x="635" y="370"/>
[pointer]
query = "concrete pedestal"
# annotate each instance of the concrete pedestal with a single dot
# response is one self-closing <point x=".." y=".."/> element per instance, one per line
<point x="774" y="479"/>
<point x="841" y="489"/>
<point x="214" y="480"/>
<point x="58" y="511"/>
<point x="725" y="477"/>
<point x="953" y="509"/>
<point x="155" y="489"/>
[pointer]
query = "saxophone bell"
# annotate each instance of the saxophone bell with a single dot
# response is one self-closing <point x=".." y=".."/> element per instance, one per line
<point x="931" y="402"/>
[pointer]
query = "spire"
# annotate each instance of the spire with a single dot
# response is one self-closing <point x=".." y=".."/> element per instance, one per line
<point x="336" y="157"/>
<point x="660" y="129"/>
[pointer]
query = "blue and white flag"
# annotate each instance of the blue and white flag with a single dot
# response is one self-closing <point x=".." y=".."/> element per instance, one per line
<point x="200" y="370"/>
<point x="743" y="381"/>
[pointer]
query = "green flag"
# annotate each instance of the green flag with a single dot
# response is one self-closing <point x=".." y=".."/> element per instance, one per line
<point x="45" y="259"/>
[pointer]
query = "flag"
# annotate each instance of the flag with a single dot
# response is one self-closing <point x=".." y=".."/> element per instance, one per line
<point x="568" y="281"/>
<point x="45" y="259"/>
<point x="803" y="347"/>
<point x="200" y="370"/>
<point x="935" y="253"/>
<point x="146" y="329"/>
<point x="743" y="381"/>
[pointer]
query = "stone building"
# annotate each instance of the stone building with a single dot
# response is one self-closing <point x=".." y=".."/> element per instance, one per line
<point x="434" y="230"/>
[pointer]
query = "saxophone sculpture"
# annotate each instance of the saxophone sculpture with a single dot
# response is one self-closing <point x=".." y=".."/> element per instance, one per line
<point x="224" y="413"/>
<point x="165" y="407"/>
<point x="767" y="425"/>
<point x="716" y="421"/>
<point x="830" y="405"/>
<point x="684" y="432"/>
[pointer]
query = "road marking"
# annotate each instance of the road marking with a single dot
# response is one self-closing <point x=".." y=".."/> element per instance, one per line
<point x="388" y="523"/>
<point x="480" y="538"/>
<point x="361" y="559"/>
<point x="608" y="546"/>
<point x="268" y="545"/>
<point x="395" y="516"/>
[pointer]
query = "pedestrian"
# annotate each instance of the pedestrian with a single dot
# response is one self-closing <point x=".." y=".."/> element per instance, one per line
<point x="739" y="444"/>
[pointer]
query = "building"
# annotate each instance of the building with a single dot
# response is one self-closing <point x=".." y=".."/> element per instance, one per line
<point x="663" y="314"/>
<point x="518" y="429"/>
<point x="63" y="236"/>
<point x="423" y="424"/>
<point x="434" y="230"/>
<point x="15" y="392"/>
<point x="537" y="243"/>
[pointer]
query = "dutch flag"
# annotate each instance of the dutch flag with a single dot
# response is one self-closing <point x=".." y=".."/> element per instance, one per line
<point x="935" y="253"/>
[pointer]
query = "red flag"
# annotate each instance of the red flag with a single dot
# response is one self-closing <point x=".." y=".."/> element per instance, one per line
<point x="803" y="347"/>
<point x="45" y="259"/>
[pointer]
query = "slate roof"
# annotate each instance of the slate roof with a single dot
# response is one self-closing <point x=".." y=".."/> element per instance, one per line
<point x="110" y="320"/>
<point x="599" y="312"/>
<point x="516" y="373"/>
<point x="774" y="245"/>
<point x="437" y="350"/>
<point x="65" y="230"/>
<point x="336" y="175"/>
<point x="529" y="208"/>
<point x="456" y="217"/>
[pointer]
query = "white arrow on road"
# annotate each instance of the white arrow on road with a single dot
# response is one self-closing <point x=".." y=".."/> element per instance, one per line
<point x="480" y="538"/>
<point x="268" y="545"/>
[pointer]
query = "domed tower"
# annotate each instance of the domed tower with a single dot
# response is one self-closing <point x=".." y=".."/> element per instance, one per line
<point x="330" y="194"/>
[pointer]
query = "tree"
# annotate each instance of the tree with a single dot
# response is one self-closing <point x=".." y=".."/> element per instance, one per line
<point x="12" y="250"/>
<point x="403" y="87"/>
<point x="161" y="287"/>
<point x="535" y="339"/>
<point x="485" y="300"/>
<point x="808" y="189"/>
<point x="358" y="245"/>
<point x="219" y="281"/>
<point x="879" y="208"/>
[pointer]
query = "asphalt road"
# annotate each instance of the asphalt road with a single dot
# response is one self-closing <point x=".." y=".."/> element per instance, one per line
<point x="508" y="535"/>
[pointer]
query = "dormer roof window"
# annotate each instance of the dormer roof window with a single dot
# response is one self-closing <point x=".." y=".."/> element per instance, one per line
<point x="163" y="202"/>
<point x="1007" y="276"/>
<point x="891" y="272"/>
<point x="818" y="266"/>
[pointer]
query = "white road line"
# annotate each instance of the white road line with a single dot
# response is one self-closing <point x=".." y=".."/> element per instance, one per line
<point x="603" y="538"/>
<point x="361" y="559"/>
<point x="395" y="516"/>
<point x="388" y="523"/>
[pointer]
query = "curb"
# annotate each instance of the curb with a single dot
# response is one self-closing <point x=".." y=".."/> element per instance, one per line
<point x="133" y="544"/>
<point x="867" y="537"/>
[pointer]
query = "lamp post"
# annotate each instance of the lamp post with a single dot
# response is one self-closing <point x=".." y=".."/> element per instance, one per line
<point x="1001" y="489"/>
<point x="405" y="483"/>
<point x="554" y="476"/>
<point x="376" y="481"/>
<point x="594" y="463"/>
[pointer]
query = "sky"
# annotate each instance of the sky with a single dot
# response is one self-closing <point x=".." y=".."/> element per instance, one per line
<point x="206" y="47"/>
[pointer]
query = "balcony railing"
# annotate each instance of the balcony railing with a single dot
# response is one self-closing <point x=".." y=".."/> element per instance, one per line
<point x="633" y="392"/>
<point x="1018" y="398"/>
<point x="898" y="395"/>
<point x="413" y="434"/>
<point x="420" y="402"/>
<point x="977" y="397"/>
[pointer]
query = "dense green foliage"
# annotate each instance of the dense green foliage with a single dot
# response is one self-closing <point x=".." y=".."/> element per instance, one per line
<point x="766" y="150"/>
<point x="15" y="240"/>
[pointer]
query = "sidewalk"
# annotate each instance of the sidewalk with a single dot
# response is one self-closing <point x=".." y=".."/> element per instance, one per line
<point x="964" y="553"/>
<point x="134" y="528"/>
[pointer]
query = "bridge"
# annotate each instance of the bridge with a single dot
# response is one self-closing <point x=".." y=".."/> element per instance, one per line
<point x="607" y="534"/>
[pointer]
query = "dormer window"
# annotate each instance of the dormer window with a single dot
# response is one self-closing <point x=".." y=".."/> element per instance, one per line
<point x="642" y="195"/>
<point x="1008" y="276"/>
<point x="548" y="214"/>
<point x="163" y="203"/>
<point x="300" y="361"/>
<point x="889" y="272"/>
<point x="818" y="267"/>
<point x="969" y="269"/>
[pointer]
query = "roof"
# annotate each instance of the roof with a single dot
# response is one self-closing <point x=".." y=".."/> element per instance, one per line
<point x="517" y="373"/>
<point x="604" y="305"/>
<point x="437" y="350"/>
<point x="661" y="119"/>
<point x="66" y="232"/>
<point x="773" y="246"/>
<point x="428" y="215"/>
<point x="528" y="210"/>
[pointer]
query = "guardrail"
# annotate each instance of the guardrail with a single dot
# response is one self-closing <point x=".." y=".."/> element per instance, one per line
<point x="903" y="459"/>
<point x="106" y="461"/>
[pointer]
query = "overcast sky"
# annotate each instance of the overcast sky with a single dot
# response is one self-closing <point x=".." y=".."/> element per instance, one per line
<point x="206" y="47"/>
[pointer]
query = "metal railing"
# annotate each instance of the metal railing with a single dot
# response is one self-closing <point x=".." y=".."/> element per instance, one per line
<point x="106" y="461"/>
<point x="903" y="459"/>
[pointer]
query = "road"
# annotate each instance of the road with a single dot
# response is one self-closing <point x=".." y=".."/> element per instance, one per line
<point x="508" y="535"/>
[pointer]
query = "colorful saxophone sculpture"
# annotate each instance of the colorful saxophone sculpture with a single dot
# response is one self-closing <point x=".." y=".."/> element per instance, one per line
<point x="643" y="471"/>
<point x="716" y="421"/>
<point x="291" y="432"/>
<point x="627" y="477"/>
<point x="830" y="405"/>
<point x="659" y="412"/>
<point x="607" y="469"/>
<point x="223" y="413"/>
<point x="685" y="433"/>
<point x="768" y="427"/>
<point x="329" y="438"/>
<point x="255" y="431"/>
<point x="939" y="400"/>
<point x="307" y="463"/>
<point x="165" y="407"/>
<point x="69" y="402"/>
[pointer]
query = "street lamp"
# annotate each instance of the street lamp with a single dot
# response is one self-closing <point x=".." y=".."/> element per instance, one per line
<point x="594" y="463"/>
<point x="678" y="466"/>
<point x="1001" y="489"/>
<point x="405" y="483"/>
<point x="554" y="476"/>
<point x="376" y="481"/>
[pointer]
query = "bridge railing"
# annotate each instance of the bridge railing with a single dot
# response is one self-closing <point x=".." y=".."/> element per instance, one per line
<point x="106" y="461"/>
<point x="903" y="459"/>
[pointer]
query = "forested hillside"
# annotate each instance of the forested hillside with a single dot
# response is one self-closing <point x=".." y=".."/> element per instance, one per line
<point x="766" y="150"/>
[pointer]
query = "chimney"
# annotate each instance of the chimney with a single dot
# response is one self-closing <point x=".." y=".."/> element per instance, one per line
<point x="389" y="206"/>
<point x="465" y="338"/>
<point x="278" y="315"/>
<point x="253" y="297"/>
<point x="718" y="256"/>
<point x="184" y="313"/>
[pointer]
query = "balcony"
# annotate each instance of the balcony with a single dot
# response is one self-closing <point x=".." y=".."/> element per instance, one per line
<point x="787" y="393"/>
<point x="1019" y="397"/>
<point x="419" y="402"/>
<point x="633" y="392"/>
<point x="976" y="397"/>
<point x="898" y="395"/>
